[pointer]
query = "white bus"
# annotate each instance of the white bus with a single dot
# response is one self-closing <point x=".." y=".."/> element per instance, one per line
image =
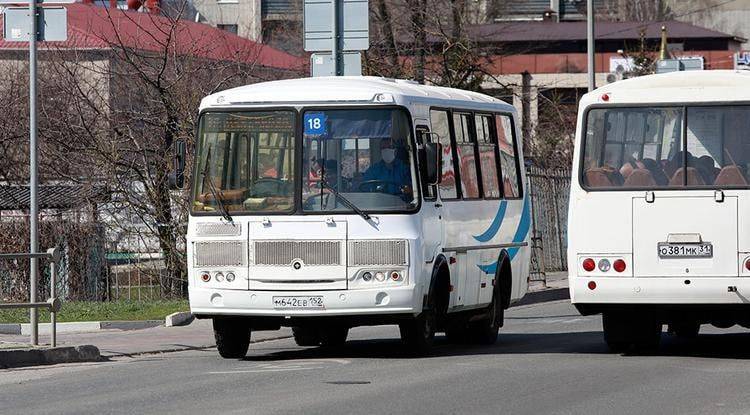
<point x="659" y="231"/>
<point x="323" y="204"/>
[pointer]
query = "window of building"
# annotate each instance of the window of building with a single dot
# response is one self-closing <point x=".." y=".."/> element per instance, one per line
<point x="231" y="28"/>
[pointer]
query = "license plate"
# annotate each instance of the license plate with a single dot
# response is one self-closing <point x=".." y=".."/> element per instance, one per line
<point x="298" y="302"/>
<point x="702" y="250"/>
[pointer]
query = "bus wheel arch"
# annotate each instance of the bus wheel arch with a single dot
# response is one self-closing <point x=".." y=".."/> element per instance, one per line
<point x="504" y="278"/>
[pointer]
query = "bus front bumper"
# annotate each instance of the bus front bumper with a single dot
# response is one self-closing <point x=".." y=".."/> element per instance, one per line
<point x="666" y="290"/>
<point x="376" y="301"/>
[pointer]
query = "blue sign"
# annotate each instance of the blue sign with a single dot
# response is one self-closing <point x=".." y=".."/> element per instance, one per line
<point x="315" y="123"/>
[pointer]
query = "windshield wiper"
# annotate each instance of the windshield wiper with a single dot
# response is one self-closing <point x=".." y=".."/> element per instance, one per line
<point x="222" y="209"/>
<point x="344" y="200"/>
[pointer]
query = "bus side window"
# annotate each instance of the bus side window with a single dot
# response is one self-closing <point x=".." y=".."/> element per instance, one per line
<point x="441" y="126"/>
<point x="509" y="163"/>
<point x="484" y="125"/>
<point x="466" y="156"/>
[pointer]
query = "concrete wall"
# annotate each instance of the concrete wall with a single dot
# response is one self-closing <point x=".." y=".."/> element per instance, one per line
<point x="246" y="14"/>
<point x="728" y="17"/>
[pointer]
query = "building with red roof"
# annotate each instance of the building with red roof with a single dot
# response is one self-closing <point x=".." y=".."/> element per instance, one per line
<point x="94" y="28"/>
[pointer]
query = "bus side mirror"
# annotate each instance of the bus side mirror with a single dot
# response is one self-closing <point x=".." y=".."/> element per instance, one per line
<point x="432" y="163"/>
<point x="177" y="176"/>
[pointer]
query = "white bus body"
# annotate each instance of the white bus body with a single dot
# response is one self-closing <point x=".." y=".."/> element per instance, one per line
<point x="442" y="257"/>
<point x="658" y="227"/>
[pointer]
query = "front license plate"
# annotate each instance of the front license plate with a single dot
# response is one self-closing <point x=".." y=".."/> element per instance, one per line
<point x="702" y="250"/>
<point x="298" y="302"/>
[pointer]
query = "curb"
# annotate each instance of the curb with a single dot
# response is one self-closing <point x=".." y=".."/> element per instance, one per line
<point x="79" y="326"/>
<point x="48" y="356"/>
<point x="544" y="296"/>
<point x="180" y="318"/>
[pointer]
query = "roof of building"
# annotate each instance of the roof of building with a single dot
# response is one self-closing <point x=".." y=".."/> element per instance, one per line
<point x="55" y="196"/>
<point x="93" y="27"/>
<point x="576" y="31"/>
<point x="675" y="87"/>
<point x="343" y="89"/>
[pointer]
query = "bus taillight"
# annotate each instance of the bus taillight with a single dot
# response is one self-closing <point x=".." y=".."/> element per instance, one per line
<point x="747" y="264"/>
<point x="619" y="265"/>
<point x="589" y="264"/>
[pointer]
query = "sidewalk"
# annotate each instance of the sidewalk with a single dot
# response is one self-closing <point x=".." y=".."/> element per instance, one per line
<point x="112" y="343"/>
<point x="556" y="288"/>
<point x="199" y="334"/>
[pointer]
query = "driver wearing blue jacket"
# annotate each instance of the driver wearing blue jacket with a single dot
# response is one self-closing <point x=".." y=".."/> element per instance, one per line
<point x="390" y="174"/>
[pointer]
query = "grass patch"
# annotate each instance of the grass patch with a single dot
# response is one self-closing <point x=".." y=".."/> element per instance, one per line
<point x="102" y="311"/>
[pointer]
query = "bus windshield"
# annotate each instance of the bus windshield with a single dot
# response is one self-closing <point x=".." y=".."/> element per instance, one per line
<point x="646" y="147"/>
<point x="246" y="160"/>
<point x="365" y="155"/>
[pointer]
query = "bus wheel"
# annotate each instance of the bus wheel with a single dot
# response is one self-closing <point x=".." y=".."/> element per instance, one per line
<point x="485" y="331"/>
<point x="419" y="333"/>
<point x="685" y="329"/>
<point x="306" y="336"/>
<point x="333" y="336"/>
<point x="232" y="337"/>
<point x="615" y="331"/>
<point x="640" y="333"/>
<point x="457" y="331"/>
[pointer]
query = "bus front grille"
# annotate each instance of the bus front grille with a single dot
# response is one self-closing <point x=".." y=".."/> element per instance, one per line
<point x="284" y="253"/>
<point x="378" y="252"/>
<point x="220" y="254"/>
<point x="217" y="229"/>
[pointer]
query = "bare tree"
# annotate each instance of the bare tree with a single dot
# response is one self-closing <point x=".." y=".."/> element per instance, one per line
<point x="113" y="116"/>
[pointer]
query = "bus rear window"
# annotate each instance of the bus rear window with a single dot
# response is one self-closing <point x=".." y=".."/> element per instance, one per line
<point x="632" y="147"/>
<point x="645" y="148"/>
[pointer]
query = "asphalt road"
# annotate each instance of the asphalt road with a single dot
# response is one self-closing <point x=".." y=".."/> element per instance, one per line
<point x="548" y="360"/>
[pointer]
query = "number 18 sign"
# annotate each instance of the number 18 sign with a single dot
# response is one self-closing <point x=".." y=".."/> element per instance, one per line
<point x="315" y="123"/>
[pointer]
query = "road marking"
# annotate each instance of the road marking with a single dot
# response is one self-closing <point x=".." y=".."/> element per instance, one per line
<point x="286" y="366"/>
<point x="229" y="372"/>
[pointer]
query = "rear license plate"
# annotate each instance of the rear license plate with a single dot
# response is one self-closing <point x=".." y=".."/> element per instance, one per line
<point x="298" y="302"/>
<point x="702" y="250"/>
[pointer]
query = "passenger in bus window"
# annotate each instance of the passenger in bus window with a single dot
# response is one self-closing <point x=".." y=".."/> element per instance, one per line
<point x="389" y="175"/>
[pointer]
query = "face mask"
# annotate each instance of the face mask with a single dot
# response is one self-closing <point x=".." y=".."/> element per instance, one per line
<point x="388" y="155"/>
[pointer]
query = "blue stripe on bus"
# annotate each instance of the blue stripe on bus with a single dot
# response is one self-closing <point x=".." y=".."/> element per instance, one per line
<point x="523" y="229"/>
<point x="495" y="225"/>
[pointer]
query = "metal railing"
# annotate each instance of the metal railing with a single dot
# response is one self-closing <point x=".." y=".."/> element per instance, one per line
<point x="53" y="304"/>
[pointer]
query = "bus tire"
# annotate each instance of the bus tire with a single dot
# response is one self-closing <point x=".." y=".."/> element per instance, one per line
<point x="486" y="330"/>
<point x="639" y="333"/>
<point x="457" y="331"/>
<point x="306" y="336"/>
<point x="232" y="337"/>
<point x="615" y="331"/>
<point x="419" y="333"/>
<point x="333" y="336"/>
<point x="685" y="329"/>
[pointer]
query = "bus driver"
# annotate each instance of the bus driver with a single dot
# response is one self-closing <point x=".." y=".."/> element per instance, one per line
<point x="390" y="174"/>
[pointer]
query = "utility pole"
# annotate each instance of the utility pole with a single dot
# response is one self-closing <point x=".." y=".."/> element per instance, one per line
<point x="590" y="44"/>
<point x="33" y="179"/>
<point x="336" y="37"/>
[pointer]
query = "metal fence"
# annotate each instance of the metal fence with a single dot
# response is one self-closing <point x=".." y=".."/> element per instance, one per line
<point x="133" y="278"/>
<point x="549" y="191"/>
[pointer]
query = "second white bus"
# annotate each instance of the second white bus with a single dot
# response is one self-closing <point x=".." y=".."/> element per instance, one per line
<point x="328" y="203"/>
<point x="658" y="225"/>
